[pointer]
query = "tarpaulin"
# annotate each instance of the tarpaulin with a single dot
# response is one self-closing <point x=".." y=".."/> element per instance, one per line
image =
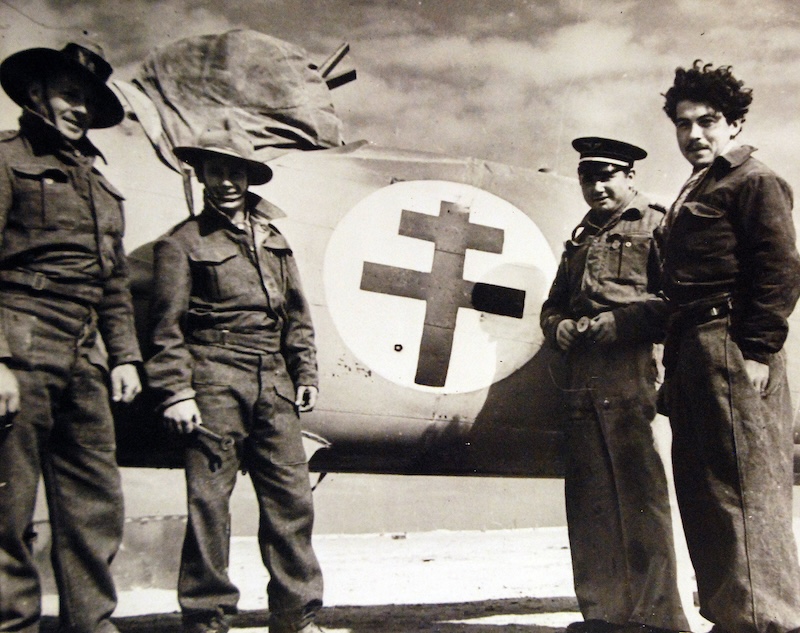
<point x="268" y="86"/>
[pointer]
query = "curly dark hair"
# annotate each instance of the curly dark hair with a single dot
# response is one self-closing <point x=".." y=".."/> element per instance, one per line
<point x="716" y="86"/>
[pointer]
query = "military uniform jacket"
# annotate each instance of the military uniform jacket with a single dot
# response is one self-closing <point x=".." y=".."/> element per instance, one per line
<point x="613" y="267"/>
<point x="61" y="228"/>
<point x="235" y="286"/>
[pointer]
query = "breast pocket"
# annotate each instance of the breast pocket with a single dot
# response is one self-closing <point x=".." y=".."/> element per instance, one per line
<point x="214" y="275"/>
<point x="45" y="198"/>
<point x="705" y="232"/>
<point x="623" y="258"/>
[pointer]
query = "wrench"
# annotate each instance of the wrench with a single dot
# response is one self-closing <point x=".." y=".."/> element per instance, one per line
<point x="225" y="443"/>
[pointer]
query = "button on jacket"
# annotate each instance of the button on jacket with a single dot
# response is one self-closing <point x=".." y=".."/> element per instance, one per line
<point x="733" y="237"/>
<point x="227" y="288"/>
<point x="61" y="224"/>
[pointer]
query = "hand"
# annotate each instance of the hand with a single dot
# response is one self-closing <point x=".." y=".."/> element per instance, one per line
<point x="182" y="417"/>
<point x="9" y="391"/>
<point x="603" y="328"/>
<point x="566" y="333"/>
<point x="306" y="398"/>
<point x="125" y="383"/>
<point x="758" y="373"/>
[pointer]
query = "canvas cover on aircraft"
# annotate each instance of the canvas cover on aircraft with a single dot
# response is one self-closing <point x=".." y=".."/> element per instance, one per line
<point x="269" y="86"/>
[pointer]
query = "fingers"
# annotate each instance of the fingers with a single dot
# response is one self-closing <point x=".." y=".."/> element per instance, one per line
<point x="761" y="384"/>
<point x="125" y="383"/>
<point x="758" y="373"/>
<point x="125" y="393"/>
<point x="603" y="328"/>
<point x="13" y="403"/>
<point x="9" y="391"/>
<point x="189" y="425"/>
<point x="130" y="391"/>
<point x="306" y="398"/>
<point x="566" y="334"/>
<point x="9" y="404"/>
<point x="182" y="417"/>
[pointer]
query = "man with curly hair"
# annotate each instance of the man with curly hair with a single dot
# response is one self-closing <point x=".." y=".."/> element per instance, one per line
<point x="731" y="274"/>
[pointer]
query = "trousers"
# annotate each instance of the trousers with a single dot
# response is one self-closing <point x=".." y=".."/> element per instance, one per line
<point x="250" y="398"/>
<point x="618" y="513"/>
<point x="733" y="462"/>
<point x="63" y="432"/>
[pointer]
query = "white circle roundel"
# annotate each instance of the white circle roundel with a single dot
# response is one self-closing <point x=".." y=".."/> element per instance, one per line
<point x="438" y="285"/>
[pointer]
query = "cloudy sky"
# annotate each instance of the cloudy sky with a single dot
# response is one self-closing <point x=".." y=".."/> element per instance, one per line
<point x="506" y="80"/>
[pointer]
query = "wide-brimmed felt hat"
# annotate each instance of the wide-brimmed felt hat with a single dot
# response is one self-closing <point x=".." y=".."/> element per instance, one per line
<point x="231" y="142"/>
<point x="85" y="60"/>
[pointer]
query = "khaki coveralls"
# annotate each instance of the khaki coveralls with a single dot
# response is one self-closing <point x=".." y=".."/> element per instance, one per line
<point x="618" y="513"/>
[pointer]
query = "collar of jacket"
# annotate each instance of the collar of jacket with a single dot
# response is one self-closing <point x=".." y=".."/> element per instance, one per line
<point x="635" y="208"/>
<point x="632" y="211"/>
<point x="259" y="210"/>
<point x="733" y="158"/>
<point x="45" y="138"/>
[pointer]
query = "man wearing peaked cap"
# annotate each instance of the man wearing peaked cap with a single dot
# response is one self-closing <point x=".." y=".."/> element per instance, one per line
<point x="63" y="284"/>
<point x="604" y="315"/>
<point x="606" y="151"/>
<point x="234" y="353"/>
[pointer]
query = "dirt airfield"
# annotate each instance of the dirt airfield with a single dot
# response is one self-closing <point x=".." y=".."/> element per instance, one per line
<point x="441" y="581"/>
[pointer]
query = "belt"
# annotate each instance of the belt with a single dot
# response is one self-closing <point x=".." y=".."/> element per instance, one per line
<point x="42" y="283"/>
<point x="696" y="315"/>
<point x="263" y="341"/>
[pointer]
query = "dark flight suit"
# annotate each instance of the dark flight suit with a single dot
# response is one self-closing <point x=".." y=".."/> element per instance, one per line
<point x="63" y="278"/>
<point x="731" y="273"/>
<point x="618" y="512"/>
<point x="232" y="329"/>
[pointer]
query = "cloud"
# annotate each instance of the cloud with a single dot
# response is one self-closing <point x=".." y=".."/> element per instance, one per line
<point x="506" y="80"/>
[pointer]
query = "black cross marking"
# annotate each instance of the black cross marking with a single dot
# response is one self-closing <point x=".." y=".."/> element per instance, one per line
<point x="444" y="289"/>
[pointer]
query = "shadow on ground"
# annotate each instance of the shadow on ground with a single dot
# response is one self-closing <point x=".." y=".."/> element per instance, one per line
<point x="419" y="618"/>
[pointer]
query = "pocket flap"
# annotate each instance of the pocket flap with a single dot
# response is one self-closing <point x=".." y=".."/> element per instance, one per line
<point x="702" y="210"/>
<point x="40" y="172"/>
<point x="214" y="253"/>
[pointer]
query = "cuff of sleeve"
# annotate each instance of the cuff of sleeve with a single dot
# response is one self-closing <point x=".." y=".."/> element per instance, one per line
<point x="625" y="323"/>
<point x="759" y="357"/>
<point x="307" y="381"/>
<point x="550" y="327"/>
<point x="180" y="396"/>
<point x="125" y="359"/>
